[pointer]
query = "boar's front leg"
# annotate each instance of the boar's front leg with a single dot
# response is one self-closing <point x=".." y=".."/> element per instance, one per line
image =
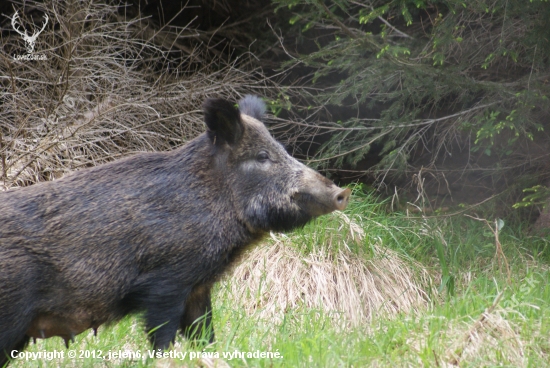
<point x="164" y="305"/>
<point x="162" y="325"/>
<point x="197" y="316"/>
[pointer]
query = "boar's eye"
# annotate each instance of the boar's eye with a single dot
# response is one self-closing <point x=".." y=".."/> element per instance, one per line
<point x="262" y="156"/>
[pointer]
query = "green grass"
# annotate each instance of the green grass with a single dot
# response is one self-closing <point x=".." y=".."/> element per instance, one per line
<point x="479" y="318"/>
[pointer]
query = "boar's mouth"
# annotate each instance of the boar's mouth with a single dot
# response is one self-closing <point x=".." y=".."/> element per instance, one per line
<point x="321" y="204"/>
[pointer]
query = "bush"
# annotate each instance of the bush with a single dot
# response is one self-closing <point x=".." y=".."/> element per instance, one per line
<point x="110" y="85"/>
<point x="454" y="92"/>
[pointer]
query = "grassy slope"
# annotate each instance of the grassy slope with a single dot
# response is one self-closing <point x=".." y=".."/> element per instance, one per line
<point x="479" y="317"/>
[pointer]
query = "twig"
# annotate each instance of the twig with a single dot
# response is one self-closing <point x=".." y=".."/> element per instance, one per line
<point x="335" y="19"/>
<point x="499" y="253"/>
<point x="395" y="29"/>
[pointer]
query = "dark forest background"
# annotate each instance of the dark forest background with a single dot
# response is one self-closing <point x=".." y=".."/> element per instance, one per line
<point x="442" y="104"/>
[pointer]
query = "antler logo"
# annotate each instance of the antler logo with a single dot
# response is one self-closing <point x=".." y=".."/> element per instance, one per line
<point x="29" y="40"/>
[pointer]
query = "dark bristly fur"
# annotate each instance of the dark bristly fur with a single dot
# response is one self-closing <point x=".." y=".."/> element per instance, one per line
<point x="149" y="233"/>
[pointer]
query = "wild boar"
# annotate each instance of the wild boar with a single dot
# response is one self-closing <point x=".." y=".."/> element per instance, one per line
<point x="150" y="233"/>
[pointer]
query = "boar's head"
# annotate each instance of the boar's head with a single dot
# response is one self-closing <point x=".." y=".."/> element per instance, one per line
<point x="269" y="189"/>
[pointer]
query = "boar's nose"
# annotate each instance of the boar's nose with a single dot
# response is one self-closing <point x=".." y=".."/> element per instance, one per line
<point x="341" y="198"/>
<point x="318" y="196"/>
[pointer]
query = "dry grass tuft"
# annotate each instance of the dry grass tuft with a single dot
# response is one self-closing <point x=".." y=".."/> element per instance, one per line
<point x="493" y="340"/>
<point x="111" y="85"/>
<point x="276" y="277"/>
<point x="490" y="338"/>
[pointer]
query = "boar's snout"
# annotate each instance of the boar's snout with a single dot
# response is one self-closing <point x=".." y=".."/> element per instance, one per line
<point x="322" y="198"/>
<point x="341" y="198"/>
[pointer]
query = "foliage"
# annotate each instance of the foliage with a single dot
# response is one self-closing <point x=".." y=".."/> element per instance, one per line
<point x="536" y="196"/>
<point x="444" y="85"/>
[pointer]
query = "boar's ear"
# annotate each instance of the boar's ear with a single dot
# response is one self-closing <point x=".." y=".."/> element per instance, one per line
<point x="252" y="106"/>
<point x="223" y="120"/>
